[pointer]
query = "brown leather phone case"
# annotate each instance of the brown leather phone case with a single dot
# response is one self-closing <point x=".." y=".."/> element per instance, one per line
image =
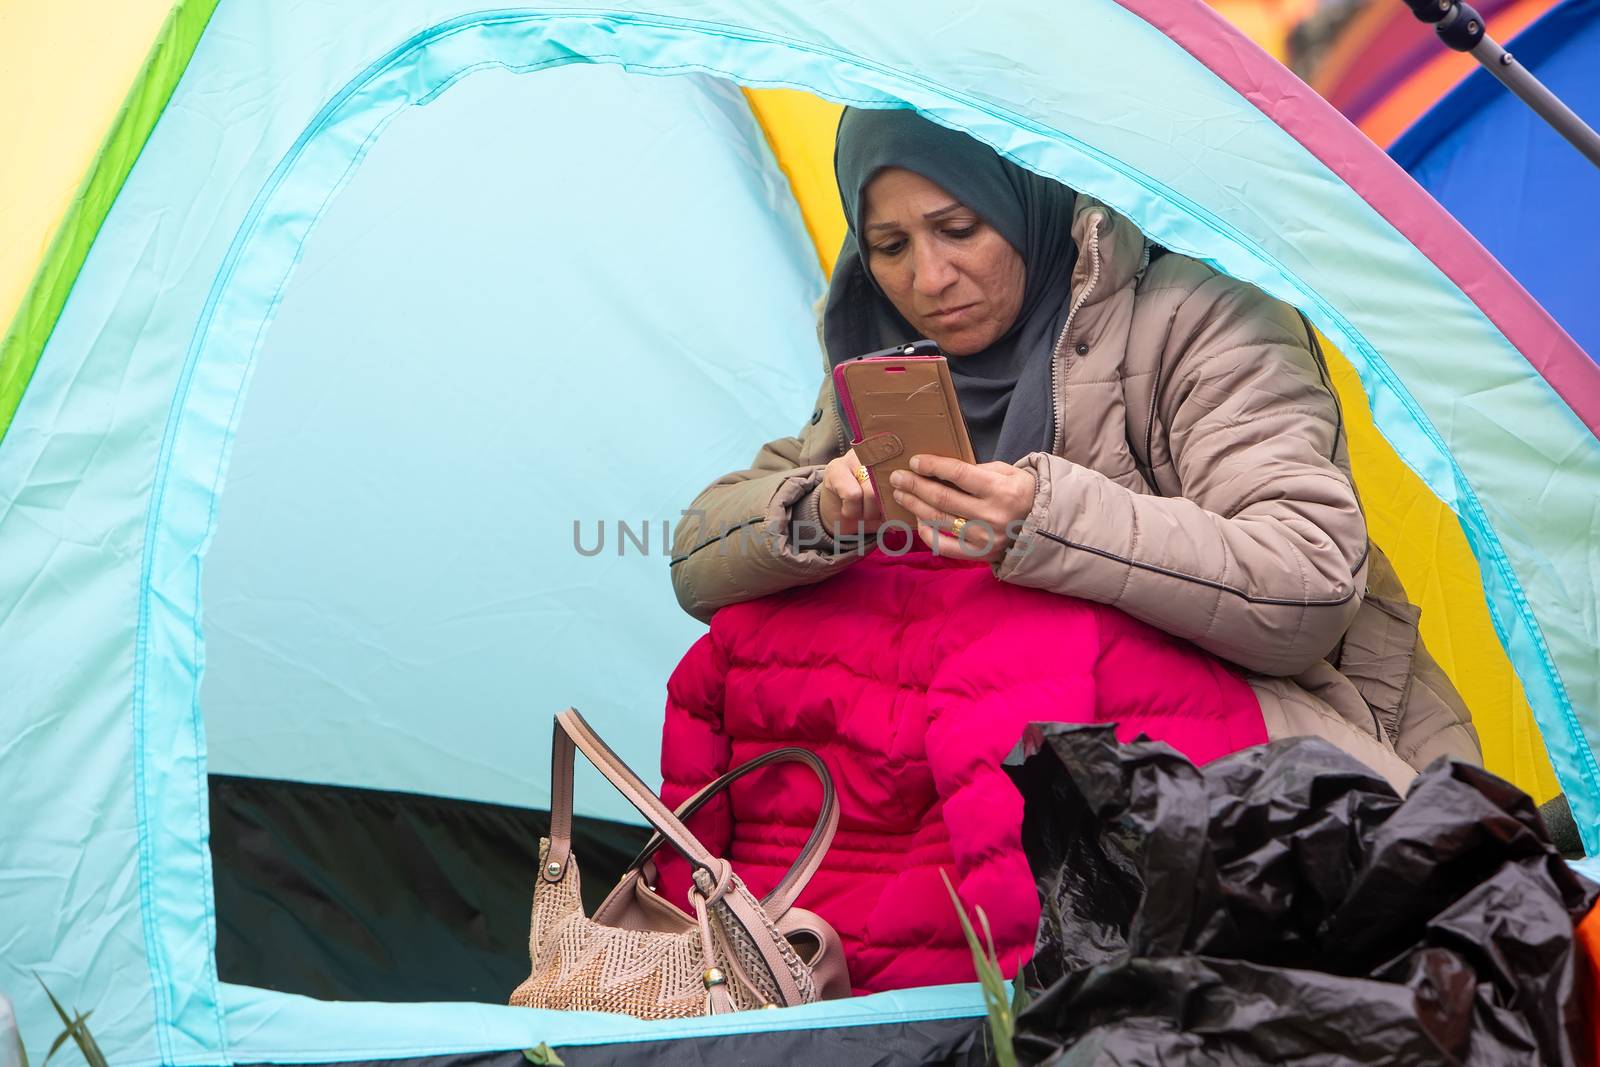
<point x="899" y="406"/>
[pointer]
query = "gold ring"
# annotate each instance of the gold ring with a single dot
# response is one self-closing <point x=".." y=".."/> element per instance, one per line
<point x="955" y="526"/>
<point x="861" y="474"/>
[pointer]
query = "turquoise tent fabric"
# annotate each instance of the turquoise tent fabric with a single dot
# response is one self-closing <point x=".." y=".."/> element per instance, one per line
<point x="474" y="320"/>
<point x="115" y="476"/>
<point x="272" y="1028"/>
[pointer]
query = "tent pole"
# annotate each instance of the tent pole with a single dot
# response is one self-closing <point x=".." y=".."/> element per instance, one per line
<point x="1532" y="92"/>
<point x="1462" y="28"/>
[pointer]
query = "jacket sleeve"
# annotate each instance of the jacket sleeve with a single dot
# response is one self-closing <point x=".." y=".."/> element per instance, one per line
<point x="739" y="540"/>
<point x="1262" y="557"/>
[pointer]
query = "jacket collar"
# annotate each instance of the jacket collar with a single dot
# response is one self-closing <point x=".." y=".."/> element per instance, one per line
<point x="1123" y="251"/>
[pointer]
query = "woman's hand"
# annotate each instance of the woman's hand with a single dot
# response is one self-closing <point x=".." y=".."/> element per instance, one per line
<point x="993" y="498"/>
<point x="848" y="505"/>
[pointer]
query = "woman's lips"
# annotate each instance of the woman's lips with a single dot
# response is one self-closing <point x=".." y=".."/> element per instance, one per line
<point x="947" y="315"/>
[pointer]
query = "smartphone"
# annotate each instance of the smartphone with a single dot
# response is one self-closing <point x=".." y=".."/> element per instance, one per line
<point x="900" y="403"/>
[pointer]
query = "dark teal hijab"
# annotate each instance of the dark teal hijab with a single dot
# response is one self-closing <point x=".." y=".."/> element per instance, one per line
<point x="1005" y="389"/>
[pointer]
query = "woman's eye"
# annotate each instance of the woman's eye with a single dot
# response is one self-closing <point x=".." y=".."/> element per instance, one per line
<point x="889" y="249"/>
<point x="960" y="232"/>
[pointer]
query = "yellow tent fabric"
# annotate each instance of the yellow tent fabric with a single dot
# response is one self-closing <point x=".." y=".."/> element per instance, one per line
<point x="64" y="73"/>
<point x="1424" y="541"/>
<point x="799" y="129"/>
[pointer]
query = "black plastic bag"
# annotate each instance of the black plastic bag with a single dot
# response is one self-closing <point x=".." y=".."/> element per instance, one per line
<point x="1283" y="905"/>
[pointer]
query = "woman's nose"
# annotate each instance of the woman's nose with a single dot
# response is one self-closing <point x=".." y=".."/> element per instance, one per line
<point x="932" y="271"/>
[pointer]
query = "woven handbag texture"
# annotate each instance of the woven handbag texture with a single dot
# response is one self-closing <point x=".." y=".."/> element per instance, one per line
<point x="579" y="965"/>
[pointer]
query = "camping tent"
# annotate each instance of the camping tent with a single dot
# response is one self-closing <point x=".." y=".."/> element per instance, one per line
<point x="1512" y="180"/>
<point x="367" y="316"/>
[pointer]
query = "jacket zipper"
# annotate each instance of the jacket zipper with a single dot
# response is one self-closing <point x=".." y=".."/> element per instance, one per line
<point x="1058" y="439"/>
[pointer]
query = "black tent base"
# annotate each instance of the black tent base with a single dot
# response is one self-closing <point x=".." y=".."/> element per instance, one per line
<point x="364" y="894"/>
<point x="946" y="1042"/>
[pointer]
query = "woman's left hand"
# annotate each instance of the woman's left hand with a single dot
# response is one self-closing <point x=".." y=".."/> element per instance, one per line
<point x="992" y="498"/>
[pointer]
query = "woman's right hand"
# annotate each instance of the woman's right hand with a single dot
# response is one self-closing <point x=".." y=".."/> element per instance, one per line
<point x="849" y="507"/>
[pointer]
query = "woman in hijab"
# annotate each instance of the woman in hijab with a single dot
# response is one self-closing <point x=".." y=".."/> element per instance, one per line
<point x="1151" y="435"/>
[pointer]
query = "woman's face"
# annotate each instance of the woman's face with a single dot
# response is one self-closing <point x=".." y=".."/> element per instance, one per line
<point x="949" y="273"/>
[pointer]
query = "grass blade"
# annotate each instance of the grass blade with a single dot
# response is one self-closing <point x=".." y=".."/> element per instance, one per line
<point x="87" y="1044"/>
<point x="996" y="1002"/>
<point x="77" y="1028"/>
<point x="54" y="1003"/>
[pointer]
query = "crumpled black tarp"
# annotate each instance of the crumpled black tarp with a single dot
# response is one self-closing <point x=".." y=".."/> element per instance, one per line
<point x="1283" y="905"/>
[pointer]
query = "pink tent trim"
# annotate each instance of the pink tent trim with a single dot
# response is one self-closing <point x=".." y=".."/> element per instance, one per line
<point x="1328" y="136"/>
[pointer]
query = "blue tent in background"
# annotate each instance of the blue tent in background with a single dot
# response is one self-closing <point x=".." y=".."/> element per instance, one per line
<point x="1512" y="181"/>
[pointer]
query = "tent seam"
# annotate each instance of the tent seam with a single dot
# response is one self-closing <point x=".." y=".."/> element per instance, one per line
<point x="184" y="26"/>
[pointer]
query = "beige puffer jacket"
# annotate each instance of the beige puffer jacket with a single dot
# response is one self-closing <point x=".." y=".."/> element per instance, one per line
<point x="1199" y="480"/>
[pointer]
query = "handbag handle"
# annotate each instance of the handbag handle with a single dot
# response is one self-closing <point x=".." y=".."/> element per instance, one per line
<point x="816" y="847"/>
<point x="572" y="731"/>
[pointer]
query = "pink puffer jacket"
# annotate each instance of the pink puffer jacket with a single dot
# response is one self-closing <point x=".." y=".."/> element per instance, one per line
<point x="913" y="677"/>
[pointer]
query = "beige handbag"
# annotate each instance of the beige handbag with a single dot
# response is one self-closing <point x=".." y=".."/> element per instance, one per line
<point x="640" y="955"/>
